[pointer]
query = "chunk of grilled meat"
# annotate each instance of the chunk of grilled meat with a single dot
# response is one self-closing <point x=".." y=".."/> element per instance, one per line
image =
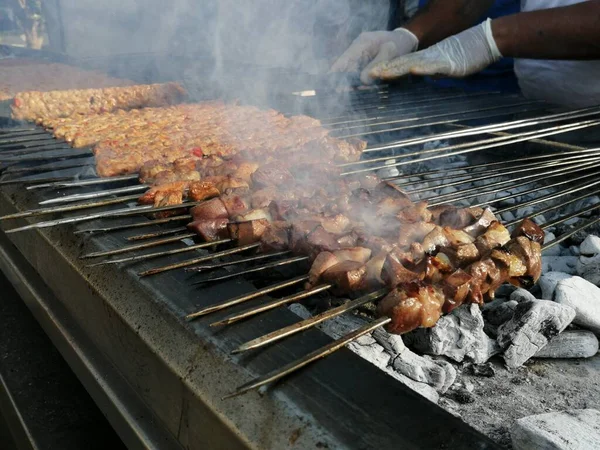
<point x="412" y="305"/>
<point x="530" y="230"/>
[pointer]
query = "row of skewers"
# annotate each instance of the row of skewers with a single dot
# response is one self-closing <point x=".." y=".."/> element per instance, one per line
<point x="357" y="231"/>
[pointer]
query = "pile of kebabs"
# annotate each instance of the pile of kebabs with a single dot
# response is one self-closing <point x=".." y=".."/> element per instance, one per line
<point x="362" y="233"/>
<point x="269" y="179"/>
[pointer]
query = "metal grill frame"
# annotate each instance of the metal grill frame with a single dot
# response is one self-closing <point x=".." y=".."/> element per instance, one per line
<point x="178" y="369"/>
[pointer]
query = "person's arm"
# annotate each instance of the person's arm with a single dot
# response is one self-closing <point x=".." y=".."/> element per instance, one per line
<point x="568" y="32"/>
<point x="439" y="19"/>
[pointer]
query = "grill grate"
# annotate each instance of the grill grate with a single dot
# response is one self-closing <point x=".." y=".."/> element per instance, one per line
<point x="389" y="119"/>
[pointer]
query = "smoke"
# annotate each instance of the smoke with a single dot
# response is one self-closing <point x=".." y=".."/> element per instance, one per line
<point x="228" y="37"/>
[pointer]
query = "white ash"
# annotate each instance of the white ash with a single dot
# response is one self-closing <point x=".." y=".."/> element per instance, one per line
<point x="588" y="268"/>
<point x="549" y="281"/>
<point x="591" y="246"/>
<point x="588" y="263"/>
<point x="570" y="344"/>
<point x="370" y="349"/>
<point x="574" y="429"/>
<point x="584" y="298"/>
<point x="564" y="264"/>
<point x="533" y="324"/>
<point x="459" y="335"/>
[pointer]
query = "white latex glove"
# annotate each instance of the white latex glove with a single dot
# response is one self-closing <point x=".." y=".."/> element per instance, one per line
<point x="458" y="56"/>
<point x="374" y="47"/>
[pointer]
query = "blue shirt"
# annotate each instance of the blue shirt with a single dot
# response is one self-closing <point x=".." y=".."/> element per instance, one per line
<point x="499" y="76"/>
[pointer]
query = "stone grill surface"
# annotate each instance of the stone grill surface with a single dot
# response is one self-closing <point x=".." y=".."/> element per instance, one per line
<point x="180" y="370"/>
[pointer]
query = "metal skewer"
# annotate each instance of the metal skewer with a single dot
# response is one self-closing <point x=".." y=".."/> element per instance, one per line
<point x="570" y="233"/>
<point x="189" y="248"/>
<point x="479" y="145"/>
<point x="512" y="184"/>
<point x="271" y="305"/>
<point x="246" y="297"/>
<point x="310" y="322"/>
<point x="21" y="180"/>
<point x="311" y="357"/>
<point x="84" y="182"/>
<point x="282" y="262"/>
<point x="550" y="197"/>
<point x="191" y="262"/>
<point x="570" y="216"/>
<point x="563" y="167"/>
<point x="558" y="206"/>
<point x="445" y="113"/>
<point x="56" y="209"/>
<point x="134" y="225"/>
<point x="141" y="237"/>
<point x="130" y="248"/>
<point x="100" y="194"/>
<point x="123" y="212"/>
<point x="520" y="138"/>
<point x="207" y="267"/>
<point x="488" y="129"/>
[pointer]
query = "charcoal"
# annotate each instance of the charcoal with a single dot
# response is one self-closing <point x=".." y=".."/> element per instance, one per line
<point x="458" y="335"/>
<point x="533" y="324"/>
<point x="522" y="295"/>
<point x="584" y="298"/>
<point x="589" y="268"/>
<point x="481" y="370"/>
<point x="574" y="429"/>
<point x="548" y="282"/>
<point x="570" y="344"/>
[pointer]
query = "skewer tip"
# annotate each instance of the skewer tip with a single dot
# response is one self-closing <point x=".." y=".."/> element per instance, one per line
<point x="221" y="323"/>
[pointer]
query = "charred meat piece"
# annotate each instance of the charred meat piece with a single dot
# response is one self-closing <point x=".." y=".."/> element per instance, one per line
<point x="202" y="190"/>
<point x="486" y="278"/>
<point x="272" y="175"/>
<point x="415" y="213"/>
<point x="462" y="254"/>
<point x="457" y="237"/>
<point x="458" y="218"/>
<point x="482" y="223"/>
<point x="322" y="262"/>
<point x="514" y="265"/>
<point x="346" y="276"/>
<point x="210" y="229"/>
<point x="412" y="305"/>
<point x="245" y="170"/>
<point x="530" y="230"/>
<point x="531" y="254"/>
<point x="435" y="239"/>
<point x="210" y="209"/>
<point x="456" y="288"/>
<point x="495" y="236"/>
<point x="248" y="232"/>
<point x="253" y="214"/>
<point x="414" y="232"/>
<point x="276" y="237"/>
<point x="234" y="204"/>
<point x="394" y="272"/>
<point x="156" y="194"/>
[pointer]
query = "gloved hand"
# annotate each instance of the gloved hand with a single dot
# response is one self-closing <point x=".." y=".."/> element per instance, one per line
<point x="457" y="56"/>
<point x="371" y="48"/>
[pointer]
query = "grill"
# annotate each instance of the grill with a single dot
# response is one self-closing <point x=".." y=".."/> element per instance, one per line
<point x="439" y="145"/>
